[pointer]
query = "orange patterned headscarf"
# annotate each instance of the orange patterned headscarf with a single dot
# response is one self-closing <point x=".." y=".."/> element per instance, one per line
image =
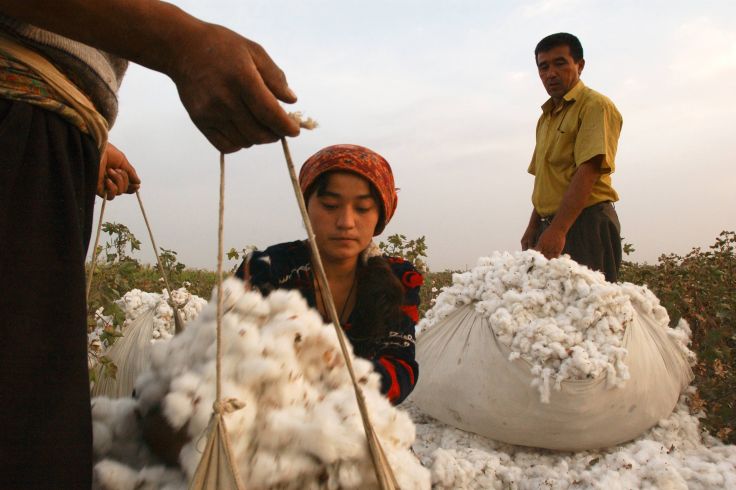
<point x="356" y="159"/>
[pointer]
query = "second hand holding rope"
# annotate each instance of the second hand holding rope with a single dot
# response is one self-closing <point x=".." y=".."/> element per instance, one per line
<point x="384" y="473"/>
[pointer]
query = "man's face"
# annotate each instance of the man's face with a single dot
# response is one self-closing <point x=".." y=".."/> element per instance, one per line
<point x="558" y="71"/>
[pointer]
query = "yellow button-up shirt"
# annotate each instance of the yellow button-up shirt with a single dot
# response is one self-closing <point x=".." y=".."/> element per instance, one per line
<point x="585" y="124"/>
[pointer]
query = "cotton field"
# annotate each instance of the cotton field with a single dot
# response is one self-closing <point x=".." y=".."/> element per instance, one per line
<point x="297" y="423"/>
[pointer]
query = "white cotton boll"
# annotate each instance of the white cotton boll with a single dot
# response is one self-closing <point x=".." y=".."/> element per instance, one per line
<point x="160" y="478"/>
<point x="285" y="426"/>
<point x="191" y="455"/>
<point x="150" y="390"/>
<point x="111" y="475"/>
<point x="289" y="301"/>
<point x="186" y="383"/>
<point x="125" y="418"/>
<point x="178" y="409"/>
<point x="103" y="409"/>
<point x="350" y="476"/>
<point x="252" y="304"/>
<point x="264" y="470"/>
<point x="413" y="475"/>
<point x="232" y="290"/>
<point x="209" y="312"/>
<point x="205" y="398"/>
<point x="102" y="439"/>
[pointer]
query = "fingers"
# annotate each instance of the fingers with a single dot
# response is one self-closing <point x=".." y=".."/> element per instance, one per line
<point x="242" y="132"/>
<point x="272" y="75"/>
<point x="252" y="131"/>
<point x="221" y="141"/>
<point x="263" y="105"/>
<point x="116" y="183"/>
<point x="134" y="182"/>
<point x="117" y="174"/>
<point x="231" y="89"/>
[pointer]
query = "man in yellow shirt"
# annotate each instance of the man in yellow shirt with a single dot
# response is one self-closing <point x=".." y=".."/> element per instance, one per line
<point x="574" y="157"/>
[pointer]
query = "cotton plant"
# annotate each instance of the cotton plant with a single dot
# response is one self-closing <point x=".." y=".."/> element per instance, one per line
<point x="297" y="424"/>
<point x="561" y="317"/>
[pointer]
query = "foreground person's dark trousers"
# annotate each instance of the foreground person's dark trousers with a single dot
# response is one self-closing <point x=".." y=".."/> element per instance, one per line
<point x="594" y="240"/>
<point x="48" y="174"/>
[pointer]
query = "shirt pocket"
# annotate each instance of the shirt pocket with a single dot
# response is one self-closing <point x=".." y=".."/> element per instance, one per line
<point x="561" y="150"/>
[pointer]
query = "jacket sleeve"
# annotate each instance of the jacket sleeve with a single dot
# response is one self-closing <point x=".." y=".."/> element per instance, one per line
<point x="395" y="357"/>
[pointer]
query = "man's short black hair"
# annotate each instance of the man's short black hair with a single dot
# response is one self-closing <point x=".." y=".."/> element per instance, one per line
<point x="560" y="39"/>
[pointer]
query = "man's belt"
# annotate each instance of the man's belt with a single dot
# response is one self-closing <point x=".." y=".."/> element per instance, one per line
<point x="547" y="220"/>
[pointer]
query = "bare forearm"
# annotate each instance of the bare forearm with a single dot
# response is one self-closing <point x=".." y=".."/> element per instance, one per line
<point x="228" y="84"/>
<point x="534" y="218"/>
<point x="146" y="32"/>
<point x="577" y="195"/>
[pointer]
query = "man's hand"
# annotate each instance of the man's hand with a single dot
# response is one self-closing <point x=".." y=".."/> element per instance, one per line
<point x="551" y="243"/>
<point x="230" y="86"/>
<point x="527" y="240"/>
<point x="117" y="176"/>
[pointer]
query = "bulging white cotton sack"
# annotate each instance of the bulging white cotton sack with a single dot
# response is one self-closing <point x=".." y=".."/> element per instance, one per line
<point x="298" y="426"/>
<point x="550" y="355"/>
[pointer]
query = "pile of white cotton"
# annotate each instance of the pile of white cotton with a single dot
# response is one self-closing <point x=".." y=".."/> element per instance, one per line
<point x="136" y="302"/>
<point x="561" y="317"/>
<point x="675" y="454"/>
<point x="299" y="425"/>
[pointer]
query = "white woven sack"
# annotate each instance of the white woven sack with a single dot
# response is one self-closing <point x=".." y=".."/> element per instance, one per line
<point x="131" y="354"/>
<point x="468" y="382"/>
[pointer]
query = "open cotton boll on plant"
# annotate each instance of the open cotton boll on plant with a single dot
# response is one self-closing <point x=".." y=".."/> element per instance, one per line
<point x="299" y="425"/>
<point x="561" y="317"/>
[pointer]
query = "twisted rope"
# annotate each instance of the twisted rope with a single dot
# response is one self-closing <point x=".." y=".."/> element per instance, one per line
<point x="384" y="473"/>
<point x="94" y="251"/>
<point x="178" y="323"/>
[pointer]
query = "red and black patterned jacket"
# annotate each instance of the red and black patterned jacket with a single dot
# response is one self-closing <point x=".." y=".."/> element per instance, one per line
<point x="288" y="266"/>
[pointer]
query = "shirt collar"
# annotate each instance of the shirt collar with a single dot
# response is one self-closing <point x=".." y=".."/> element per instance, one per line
<point x="571" y="96"/>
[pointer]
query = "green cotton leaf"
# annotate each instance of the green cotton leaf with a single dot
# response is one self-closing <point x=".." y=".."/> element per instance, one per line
<point x="233" y="254"/>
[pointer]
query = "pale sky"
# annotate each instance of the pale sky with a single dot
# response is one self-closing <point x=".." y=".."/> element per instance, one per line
<point x="448" y="93"/>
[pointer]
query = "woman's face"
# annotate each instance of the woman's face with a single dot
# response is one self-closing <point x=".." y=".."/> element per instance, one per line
<point x="344" y="217"/>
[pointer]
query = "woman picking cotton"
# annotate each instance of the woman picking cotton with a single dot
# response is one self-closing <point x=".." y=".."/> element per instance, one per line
<point x="350" y="196"/>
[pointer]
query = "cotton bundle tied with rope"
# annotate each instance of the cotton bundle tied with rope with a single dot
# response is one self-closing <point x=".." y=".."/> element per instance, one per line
<point x="218" y="453"/>
<point x="313" y="451"/>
